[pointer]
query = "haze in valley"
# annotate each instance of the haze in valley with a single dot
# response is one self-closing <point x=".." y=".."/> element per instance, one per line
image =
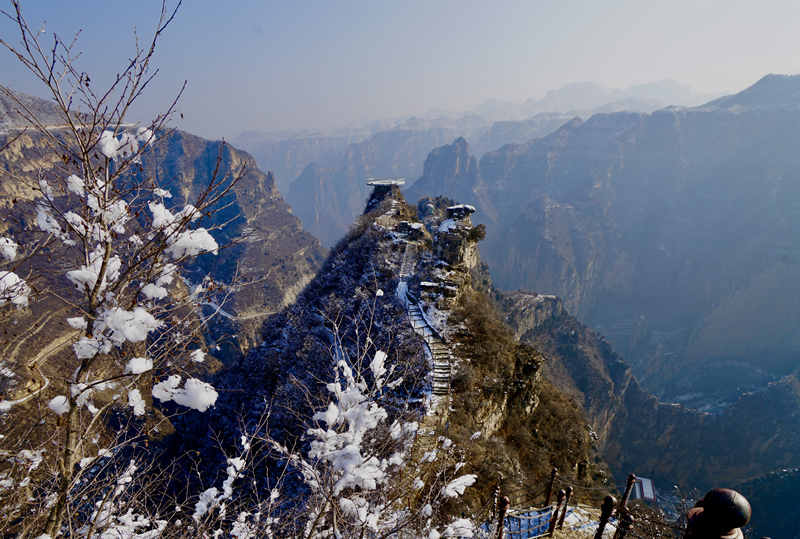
<point x="273" y="65"/>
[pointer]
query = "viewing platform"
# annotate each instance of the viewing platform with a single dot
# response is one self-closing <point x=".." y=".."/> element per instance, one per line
<point x="376" y="182"/>
<point x="381" y="188"/>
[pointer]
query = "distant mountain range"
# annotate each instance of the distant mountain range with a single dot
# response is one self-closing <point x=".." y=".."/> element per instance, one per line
<point x="335" y="162"/>
<point x="770" y="92"/>
<point x="585" y="98"/>
<point x="322" y="174"/>
<point x="673" y="233"/>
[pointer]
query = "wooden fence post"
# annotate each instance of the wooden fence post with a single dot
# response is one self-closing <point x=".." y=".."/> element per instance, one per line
<point x="553" y="475"/>
<point x="554" y="515"/>
<point x="624" y="525"/>
<point x="623" y="502"/>
<point x="564" y="511"/>
<point x="501" y="515"/>
<point x="605" y="513"/>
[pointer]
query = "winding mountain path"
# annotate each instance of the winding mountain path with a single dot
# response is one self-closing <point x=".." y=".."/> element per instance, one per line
<point x="441" y="355"/>
<point x="13" y="348"/>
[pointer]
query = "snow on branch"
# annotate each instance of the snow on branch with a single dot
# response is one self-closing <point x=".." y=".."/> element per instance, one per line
<point x="195" y="394"/>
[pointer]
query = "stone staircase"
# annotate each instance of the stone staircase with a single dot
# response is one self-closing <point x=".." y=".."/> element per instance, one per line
<point x="440" y="352"/>
<point x="409" y="261"/>
<point x="442" y="357"/>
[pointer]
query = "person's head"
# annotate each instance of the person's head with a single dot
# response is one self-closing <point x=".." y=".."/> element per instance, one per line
<point x="720" y="514"/>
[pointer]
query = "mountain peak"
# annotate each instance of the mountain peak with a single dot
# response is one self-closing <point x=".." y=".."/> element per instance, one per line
<point x="14" y="116"/>
<point x="770" y="91"/>
<point x="448" y="169"/>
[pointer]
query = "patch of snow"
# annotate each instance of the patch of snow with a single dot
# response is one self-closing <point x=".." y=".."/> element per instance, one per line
<point x="114" y="148"/>
<point x="462" y="527"/>
<point x="457" y="486"/>
<point x="195" y="394"/>
<point x="152" y="291"/>
<point x="136" y="402"/>
<point x="88" y="274"/>
<point x="447" y="225"/>
<point x="13" y="289"/>
<point x="87" y="347"/>
<point x="192" y="243"/>
<point x="402" y="290"/>
<point x="77" y="322"/>
<point x="131" y="326"/>
<point x="75" y="184"/>
<point x="8" y="249"/>
<point x="138" y="365"/>
<point x="59" y="404"/>
<point x="386" y="181"/>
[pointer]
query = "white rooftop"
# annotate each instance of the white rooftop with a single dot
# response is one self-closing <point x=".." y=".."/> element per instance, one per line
<point x="466" y="207"/>
<point x="386" y="181"/>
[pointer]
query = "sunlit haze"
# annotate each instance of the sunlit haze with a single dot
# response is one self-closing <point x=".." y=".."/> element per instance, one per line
<point x="284" y="65"/>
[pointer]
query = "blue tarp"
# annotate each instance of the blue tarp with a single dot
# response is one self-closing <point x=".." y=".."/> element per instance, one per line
<point x="527" y="524"/>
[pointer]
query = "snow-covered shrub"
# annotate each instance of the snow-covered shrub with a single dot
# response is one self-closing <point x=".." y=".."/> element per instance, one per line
<point x="368" y="476"/>
<point x="121" y="244"/>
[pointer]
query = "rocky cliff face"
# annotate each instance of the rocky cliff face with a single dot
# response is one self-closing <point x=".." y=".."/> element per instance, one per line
<point x="672" y="233"/>
<point x="273" y="255"/>
<point x="329" y="193"/>
<point x="401" y="268"/>
<point x="638" y="433"/>
<point x="328" y="196"/>
<point x="288" y="155"/>
<point x="266" y="246"/>
<point x="451" y="169"/>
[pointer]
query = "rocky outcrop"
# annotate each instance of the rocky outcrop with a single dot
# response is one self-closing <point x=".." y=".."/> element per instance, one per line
<point x="670" y="232"/>
<point x="638" y="433"/>
<point x="526" y="311"/>
<point x="448" y="169"/>
<point x="382" y="285"/>
<point x="273" y="257"/>
<point x="265" y="244"/>
<point x="329" y="192"/>
<point x="329" y="195"/>
<point x="452" y="171"/>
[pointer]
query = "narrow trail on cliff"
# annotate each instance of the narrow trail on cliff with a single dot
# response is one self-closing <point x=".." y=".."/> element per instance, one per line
<point x="441" y="355"/>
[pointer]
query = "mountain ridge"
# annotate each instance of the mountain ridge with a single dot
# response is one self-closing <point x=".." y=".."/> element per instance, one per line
<point x="770" y="91"/>
<point x="620" y="214"/>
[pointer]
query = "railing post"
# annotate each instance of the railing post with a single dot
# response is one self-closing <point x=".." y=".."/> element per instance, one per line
<point x="554" y="514"/>
<point x="625" y="525"/>
<point x="623" y="502"/>
<point x="564" y="510"/>
<point x="605" y="513"/>
<point x="501" y="516"/>
<point x="553" y="475"/>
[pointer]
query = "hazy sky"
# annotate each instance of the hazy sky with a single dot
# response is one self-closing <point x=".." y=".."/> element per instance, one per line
<point x="295" y="64"/>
